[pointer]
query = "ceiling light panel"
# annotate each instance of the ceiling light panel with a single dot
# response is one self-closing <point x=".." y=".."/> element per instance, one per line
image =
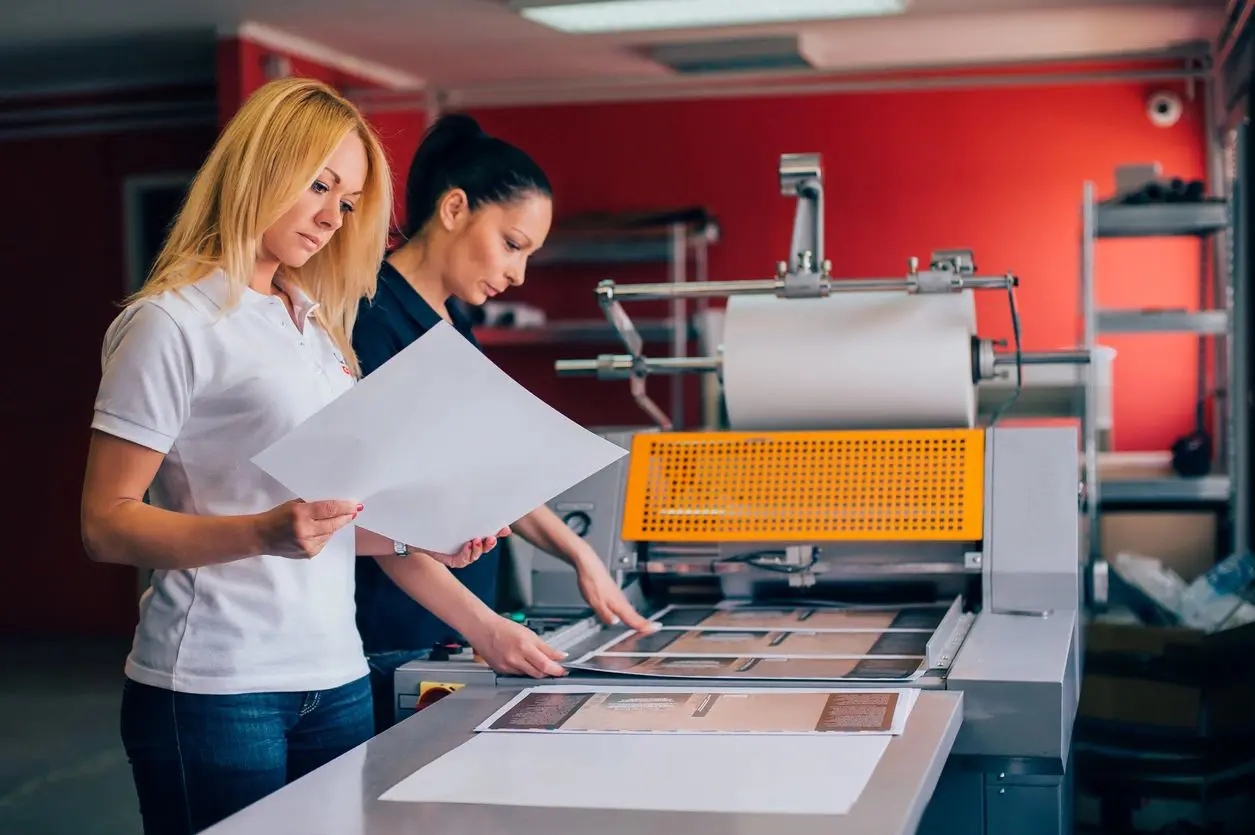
<point x="600" y="16"/>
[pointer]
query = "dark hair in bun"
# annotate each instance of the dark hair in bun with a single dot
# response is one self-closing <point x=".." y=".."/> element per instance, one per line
<point x="456" y="153"/>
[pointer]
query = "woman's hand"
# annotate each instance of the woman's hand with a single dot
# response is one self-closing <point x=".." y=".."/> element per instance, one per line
<point x="511" y="648"/>
<point x="606" y="598"/>
<point x="299" y="530"/>
<point x="470" y="552"/>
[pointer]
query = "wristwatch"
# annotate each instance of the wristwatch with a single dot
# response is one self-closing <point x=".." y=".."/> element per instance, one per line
<point x="400" y="549"/>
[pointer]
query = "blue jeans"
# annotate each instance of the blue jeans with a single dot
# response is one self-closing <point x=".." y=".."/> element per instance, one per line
<point x="383" y="668"/>
<point x="197" y="759"/>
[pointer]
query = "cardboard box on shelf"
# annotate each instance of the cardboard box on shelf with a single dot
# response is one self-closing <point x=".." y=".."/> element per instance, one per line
<point x="1184" y="541"/>
<point x="1171" y="678"/>
<point x="1134" y="466"/>
<point x="1174" y="679"/>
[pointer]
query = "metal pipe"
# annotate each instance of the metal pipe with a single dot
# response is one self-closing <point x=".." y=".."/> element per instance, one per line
<point x="575" y="368"/>
<point x="710" y="289"/>
<point x="609" y="291"/>
<point x="39" y="116"/>
<point x="621" y="365"/>
<point x="206" y="118"/>
<point x="1089" y="420"/>
<point x="531" y="95"/>
<point x="48" y="92"/>
<point x="679" y="318"/>
<point x="1238" y="347"/>
<point x="1214" y="293"/>
<point x="1232" y="33"/>
<point x="1045" y="358"/>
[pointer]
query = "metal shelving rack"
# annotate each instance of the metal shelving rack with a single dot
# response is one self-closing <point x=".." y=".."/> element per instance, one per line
<point x="680" y="243"/>
<point x="1204" y="220"/>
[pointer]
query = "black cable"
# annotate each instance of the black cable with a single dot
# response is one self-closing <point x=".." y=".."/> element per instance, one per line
<point x="1019" y="364"/>
<point x="756" y="559"/>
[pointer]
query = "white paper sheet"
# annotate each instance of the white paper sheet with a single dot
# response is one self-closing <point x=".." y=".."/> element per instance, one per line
<point x="902" y="710"/>
<point x="733" y="774"/>
<point x="440" y="445"/>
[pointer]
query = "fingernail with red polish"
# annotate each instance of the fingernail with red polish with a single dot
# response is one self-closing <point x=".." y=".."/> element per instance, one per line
<point x="360" y="508"/>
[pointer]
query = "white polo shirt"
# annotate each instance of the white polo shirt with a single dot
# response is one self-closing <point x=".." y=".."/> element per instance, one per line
<point x="210" y="388"/>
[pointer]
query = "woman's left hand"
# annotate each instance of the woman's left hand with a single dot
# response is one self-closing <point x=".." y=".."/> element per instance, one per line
<point x="470" y="552"/>
<point x="607" y="599"/>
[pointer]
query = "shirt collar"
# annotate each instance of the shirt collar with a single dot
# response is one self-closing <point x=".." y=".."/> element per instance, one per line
<point x="216" y="289"/>
<point x="414" y="305"/>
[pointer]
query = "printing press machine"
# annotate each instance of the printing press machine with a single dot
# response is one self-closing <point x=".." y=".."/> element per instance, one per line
<point x="984" y="521"/>
<point x="1000" y="540"/>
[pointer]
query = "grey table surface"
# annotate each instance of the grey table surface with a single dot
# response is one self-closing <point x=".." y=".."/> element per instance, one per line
<point x="342" y="797"/>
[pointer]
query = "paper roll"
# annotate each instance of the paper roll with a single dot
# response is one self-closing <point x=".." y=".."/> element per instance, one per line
<point x="850" y="361"/>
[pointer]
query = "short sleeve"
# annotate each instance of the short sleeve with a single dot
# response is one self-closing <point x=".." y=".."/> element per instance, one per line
<point x="145" y="392"/>
<point x="374" y="340"/>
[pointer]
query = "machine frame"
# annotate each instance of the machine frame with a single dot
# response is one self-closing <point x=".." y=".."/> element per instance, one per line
<point x="1009" y="651"/>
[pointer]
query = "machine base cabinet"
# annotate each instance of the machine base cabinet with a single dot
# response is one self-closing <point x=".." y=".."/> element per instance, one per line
<point x="997" y="803"/>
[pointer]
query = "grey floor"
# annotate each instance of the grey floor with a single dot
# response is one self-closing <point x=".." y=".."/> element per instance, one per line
<point x="62" y="768"/>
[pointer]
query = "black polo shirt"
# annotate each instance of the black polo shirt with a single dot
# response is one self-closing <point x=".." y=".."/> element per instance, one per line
<point x="387" y="617"/>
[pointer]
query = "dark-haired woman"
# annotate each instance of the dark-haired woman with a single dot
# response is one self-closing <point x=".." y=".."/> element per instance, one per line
<point x="476" y="208"/>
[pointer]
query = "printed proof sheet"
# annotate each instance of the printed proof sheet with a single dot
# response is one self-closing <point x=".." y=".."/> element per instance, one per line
<point x="773" y="643"/>
<point x="755" y="669"/>
<point x="594" y="746"/>
<point x="923" y="618"/>
<point x="579" y="709"/>
<point x="815" y="643"/>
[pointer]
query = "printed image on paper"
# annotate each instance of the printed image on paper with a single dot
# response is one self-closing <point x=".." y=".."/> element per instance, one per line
<point x="886" y="619"/>
<point x="793" y="644"/>
<point x="672" y="711"/>
<point x="754" y="669"/>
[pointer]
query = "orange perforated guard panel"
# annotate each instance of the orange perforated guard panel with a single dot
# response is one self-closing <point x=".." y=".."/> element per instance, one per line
<point x="806" y="486"/>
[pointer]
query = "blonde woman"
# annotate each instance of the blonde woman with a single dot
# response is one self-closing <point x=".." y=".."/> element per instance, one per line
<point x="247" y="669"/>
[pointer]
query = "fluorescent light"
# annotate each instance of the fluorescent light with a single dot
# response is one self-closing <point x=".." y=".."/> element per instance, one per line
<point x="637" y="15"/>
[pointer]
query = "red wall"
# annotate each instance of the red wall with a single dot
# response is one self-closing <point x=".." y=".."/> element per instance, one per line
<point x="71" y="251"/>
<point x="64" y="259"/>
<point x="999" y="171"/>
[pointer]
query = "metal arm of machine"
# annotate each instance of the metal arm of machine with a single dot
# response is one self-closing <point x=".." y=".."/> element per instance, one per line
<point x="944" y="277"/>
<point x="951" y="271"/>
<point x="624" y="366"/>
<point x="801" y="176"/>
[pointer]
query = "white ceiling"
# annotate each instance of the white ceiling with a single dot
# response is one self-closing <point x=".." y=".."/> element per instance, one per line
<point x="483" y="45"/>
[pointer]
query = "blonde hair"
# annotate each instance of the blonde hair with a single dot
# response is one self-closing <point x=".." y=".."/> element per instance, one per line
<point x="270" y="152"/>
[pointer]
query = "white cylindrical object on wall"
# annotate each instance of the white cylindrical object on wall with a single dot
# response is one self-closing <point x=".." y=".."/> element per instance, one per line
<point x="1164" y="108"/>
<point x="850" y="361"/>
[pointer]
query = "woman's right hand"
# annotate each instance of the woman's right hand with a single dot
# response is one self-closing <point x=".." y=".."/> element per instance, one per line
<point x="470" y="552"/>
<point x="299" y="530"/>
<point x="512" y="649"/>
